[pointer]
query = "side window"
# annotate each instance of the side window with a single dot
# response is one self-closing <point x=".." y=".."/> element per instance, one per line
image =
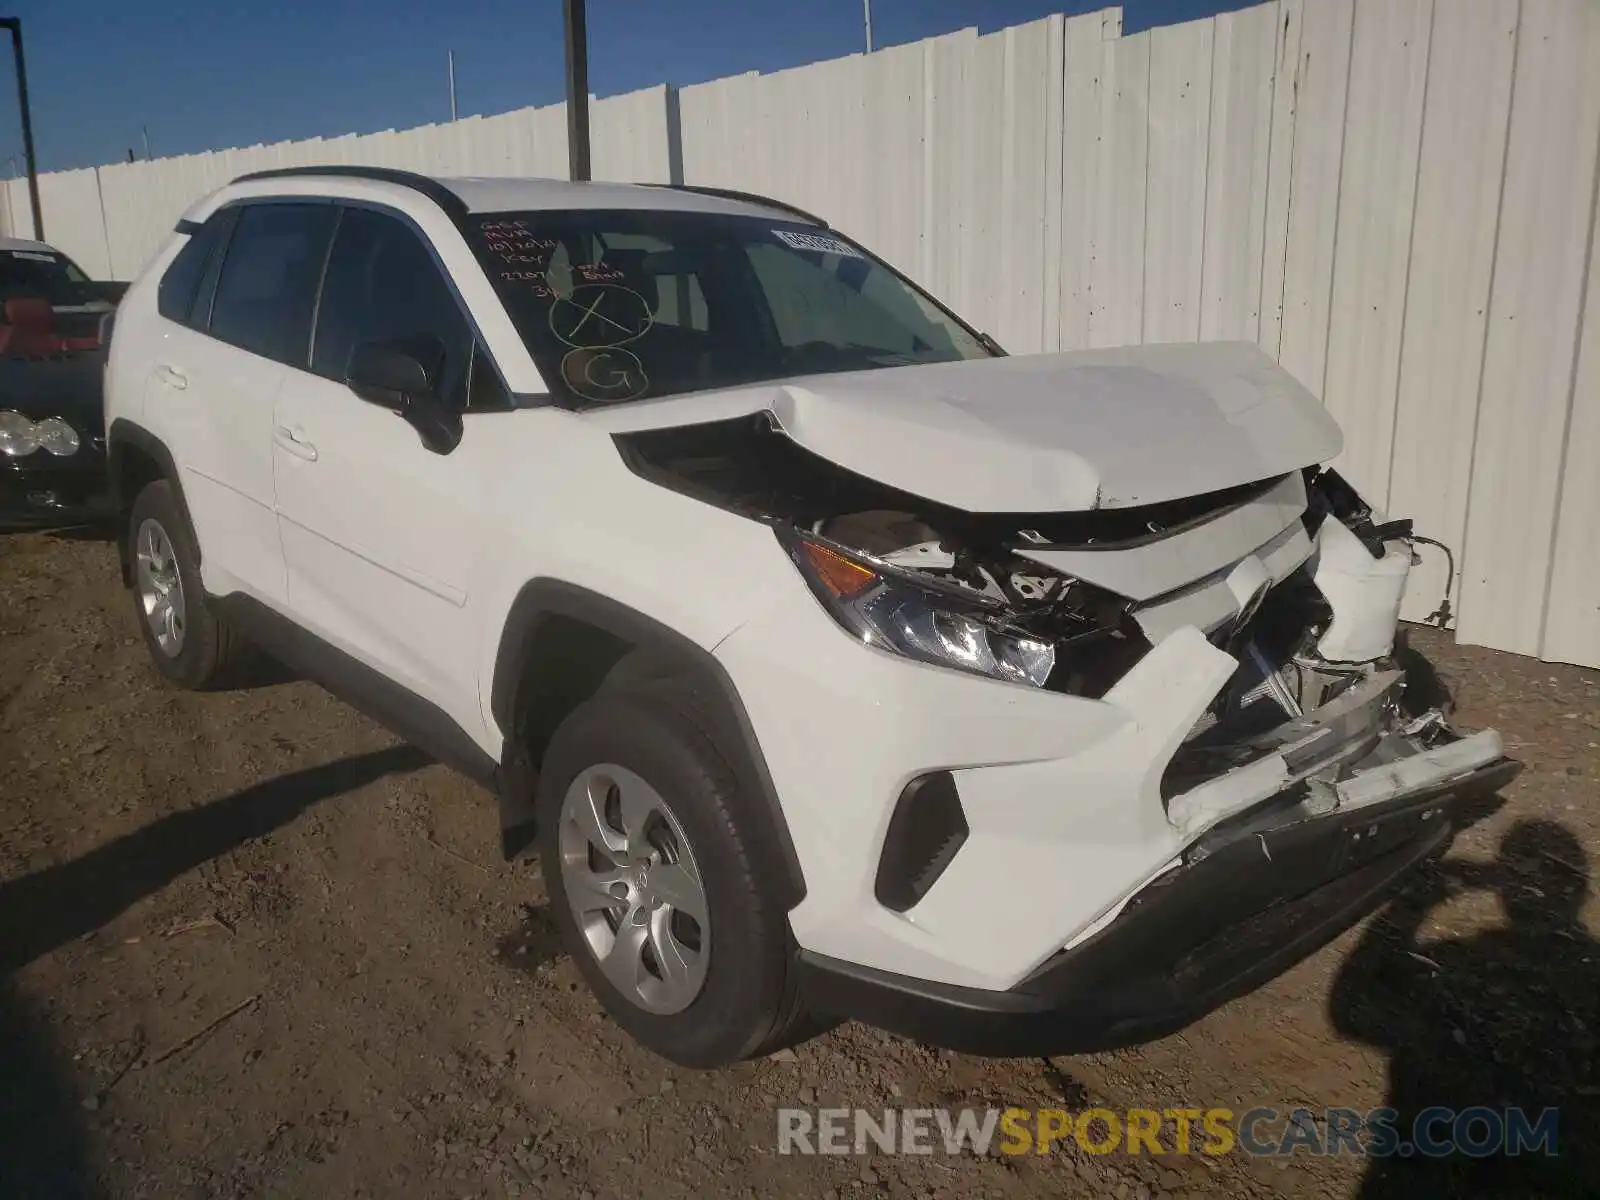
<point x="267" y="290"/>
<point x="383" y="284"/>
<point x="205" y="294"/>
<point x="175" y="295"/>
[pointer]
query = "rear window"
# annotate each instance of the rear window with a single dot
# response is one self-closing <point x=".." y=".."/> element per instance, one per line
<point x="180" y="285"/>
<point x="625" y="305"/>
<point x="44" y="275"/>
<point x="267" y="291"/>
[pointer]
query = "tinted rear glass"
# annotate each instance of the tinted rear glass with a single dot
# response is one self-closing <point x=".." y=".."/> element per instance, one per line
<point x="267" y="291"/>
<point x="175" y="297"/>
<point x="43" y="275"/>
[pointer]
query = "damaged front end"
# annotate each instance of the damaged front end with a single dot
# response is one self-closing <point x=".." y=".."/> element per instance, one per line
<point x="1293" y="576"/>
<point x="1235" y="769"/>
<point x="1321" y="715"/>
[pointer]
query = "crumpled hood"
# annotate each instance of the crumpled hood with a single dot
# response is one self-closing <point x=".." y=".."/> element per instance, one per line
<point x="1041" y="433"/>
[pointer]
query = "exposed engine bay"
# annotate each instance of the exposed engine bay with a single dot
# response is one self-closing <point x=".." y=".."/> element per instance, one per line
<point x="750" y="466"/>
<point x="975" y="590"/>
<point x="990" y="563"/>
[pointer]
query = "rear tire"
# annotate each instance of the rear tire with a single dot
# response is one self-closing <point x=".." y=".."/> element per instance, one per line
<point x="634" y="795"/>
<point x="190" y="643"/>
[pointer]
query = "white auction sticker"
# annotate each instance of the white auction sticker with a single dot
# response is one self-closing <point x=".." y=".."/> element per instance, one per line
<point x="816" y="243"/>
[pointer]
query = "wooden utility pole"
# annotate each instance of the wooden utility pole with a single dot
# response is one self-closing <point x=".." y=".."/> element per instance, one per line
<point x="577" y="89"/>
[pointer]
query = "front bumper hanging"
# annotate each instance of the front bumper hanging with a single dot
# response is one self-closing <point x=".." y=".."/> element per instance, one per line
<point x="1250" y="898"/>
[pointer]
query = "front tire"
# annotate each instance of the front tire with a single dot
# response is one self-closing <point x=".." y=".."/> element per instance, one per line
<point x="653" y="885"/>
<point x="190" y="643"/>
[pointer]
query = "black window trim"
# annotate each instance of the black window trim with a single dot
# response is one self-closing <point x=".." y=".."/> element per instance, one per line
<point x="515" y="400"/>
<point x="240" y="205"/>
<point x="322" y="282"/>
<point x="220" y="251"/>
<point x="453" y="205"/>
<point x="456" y="208"/>
<point x="461" y="216"/>
<point x="188" y="229"/>
<point x="406" y="219"/>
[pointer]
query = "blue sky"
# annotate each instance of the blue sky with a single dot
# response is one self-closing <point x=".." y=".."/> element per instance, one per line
<point x="204" y="74"/>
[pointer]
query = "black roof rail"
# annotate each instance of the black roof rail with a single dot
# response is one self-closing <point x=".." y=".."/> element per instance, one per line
<point x="456" y="207"/>
<point x="452" y="204"/>
<point x="746" y="197"/>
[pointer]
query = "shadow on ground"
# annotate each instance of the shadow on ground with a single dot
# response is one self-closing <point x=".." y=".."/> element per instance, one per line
<point x="1502" y="1019"/>
<point x="1425" y="687"/>
<point x="44" y="1151"/>
<point x="43" y="1144"/>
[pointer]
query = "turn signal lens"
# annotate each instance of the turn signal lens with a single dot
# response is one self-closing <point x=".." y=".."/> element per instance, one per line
<point x="843" y="578"/>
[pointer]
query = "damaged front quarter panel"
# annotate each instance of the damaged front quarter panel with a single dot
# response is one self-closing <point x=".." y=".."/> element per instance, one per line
<point x="1304" y="580"/>
<point x="750" y="466"/>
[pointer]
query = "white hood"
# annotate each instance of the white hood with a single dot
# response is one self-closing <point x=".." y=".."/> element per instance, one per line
<point x="1041" y="433"/>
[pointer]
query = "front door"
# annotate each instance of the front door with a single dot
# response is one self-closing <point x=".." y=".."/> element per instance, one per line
<point x="376" y="528"/>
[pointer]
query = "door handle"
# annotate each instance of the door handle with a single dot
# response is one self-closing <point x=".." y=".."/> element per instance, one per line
<point x="293" y="440"/>
<point x="171" y="376"/>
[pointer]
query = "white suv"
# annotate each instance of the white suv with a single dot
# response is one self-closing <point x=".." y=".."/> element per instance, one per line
<point x="836" y="663"/>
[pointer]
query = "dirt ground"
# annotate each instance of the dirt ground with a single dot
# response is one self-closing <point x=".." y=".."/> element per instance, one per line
<point x="249" y="945"/>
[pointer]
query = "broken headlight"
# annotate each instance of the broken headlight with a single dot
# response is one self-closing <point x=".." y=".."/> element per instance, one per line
<point x="893" y="611"/>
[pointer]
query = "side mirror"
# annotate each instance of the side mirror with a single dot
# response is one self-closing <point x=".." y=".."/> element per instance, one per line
<point x="401" y="375"/>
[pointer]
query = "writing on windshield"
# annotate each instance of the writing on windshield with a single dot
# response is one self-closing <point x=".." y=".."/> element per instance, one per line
<point x="621" y="305"/>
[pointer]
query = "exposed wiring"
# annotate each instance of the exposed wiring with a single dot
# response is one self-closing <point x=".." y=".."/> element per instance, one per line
<point x="1441" y="615"/>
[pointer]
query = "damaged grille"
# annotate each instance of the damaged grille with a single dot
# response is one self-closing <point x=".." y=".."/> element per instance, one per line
<point x="749" y="465"/>
<point x="1268" y="688"/>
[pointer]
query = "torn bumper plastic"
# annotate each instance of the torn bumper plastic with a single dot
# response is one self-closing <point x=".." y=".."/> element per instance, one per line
<point x="1248" y="899"/>
<point x="1067" y="802"/>
<point x="1353" y="751"/>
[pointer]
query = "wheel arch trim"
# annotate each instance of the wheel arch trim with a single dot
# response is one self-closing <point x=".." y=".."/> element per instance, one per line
<point x="122" y="435"/>
<point x="543" y="598"/>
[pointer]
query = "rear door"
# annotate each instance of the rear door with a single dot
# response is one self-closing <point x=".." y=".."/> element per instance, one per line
<point x="216" y="374"/>
<point x="377" y="530"/>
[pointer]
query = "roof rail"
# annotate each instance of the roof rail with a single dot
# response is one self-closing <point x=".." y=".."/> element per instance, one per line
<point x="456" y="207"/>
<point x="747" y="197"/>
<point x="452" y="204"/>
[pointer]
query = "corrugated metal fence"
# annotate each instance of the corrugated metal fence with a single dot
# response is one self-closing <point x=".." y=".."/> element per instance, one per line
<point x="1394" y="197"/>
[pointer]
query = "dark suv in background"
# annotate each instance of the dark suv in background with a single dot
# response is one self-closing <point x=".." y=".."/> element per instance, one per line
<point x="54" y="324"/>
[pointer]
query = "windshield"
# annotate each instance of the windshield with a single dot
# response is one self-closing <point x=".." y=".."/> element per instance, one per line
<point x="619" y="306"/>
<point x="42" y="274"/>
